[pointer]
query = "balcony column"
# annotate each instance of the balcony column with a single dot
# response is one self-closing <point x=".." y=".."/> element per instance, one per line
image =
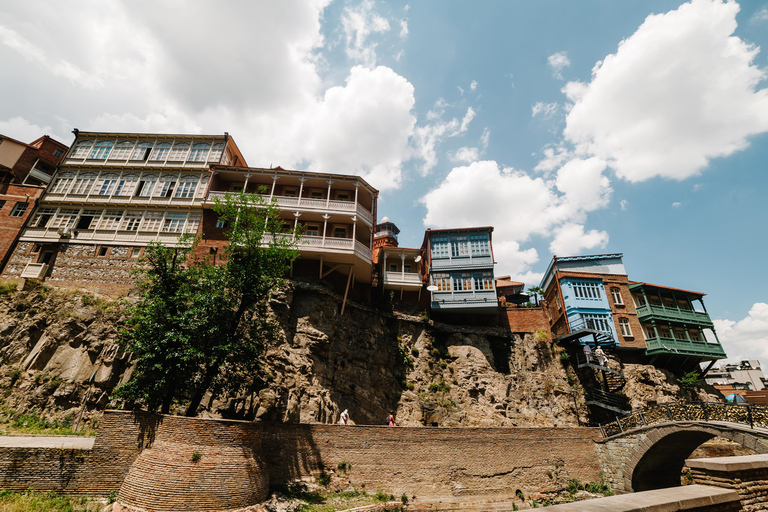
<point x="645" y="298"/>
<point x="402" y="266"/>
<point x="328" y="195"/>
<point x="658" y="294"/>
<point x="245" y="185"/>
<point x="687" y="334"/>
<point x="301" y="189"/>
<point x="354" y="231"/>
<point x="296" y="220"/>
<point x="655" y="330"/>
<point x="357" y="186"/>
<point x="705" y="309"/>
<point x="385" y="267"/>
<point x="274" y="182"/>
<point x="325" y="224"/>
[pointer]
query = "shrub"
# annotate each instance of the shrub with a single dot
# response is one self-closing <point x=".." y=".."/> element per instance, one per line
<point x="380" y="496"/>
<point x="443" y="365"/>
<point x="7" y="288"/>
<point x="564" y="357"/>
<point x="415" y="352"/>
<point x="424" y="316"/>
<point x="344" y="466"/>
<point x="404" y="499"/>
<point x="599" y="488"/>
<point x="15" y="374"/>
<point x="411" y="386"/>
<point x="436" y="353"/>
<point x="519" y="494"/>
<point x="573" y="486"/>
<point x="195" y="457"/>
<point x="323" y="478"/>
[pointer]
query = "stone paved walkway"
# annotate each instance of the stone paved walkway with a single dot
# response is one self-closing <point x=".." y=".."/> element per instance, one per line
<point x="67" y="442"/>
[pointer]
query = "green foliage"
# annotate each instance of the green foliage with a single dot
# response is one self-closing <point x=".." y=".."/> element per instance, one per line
<point x="112" y="497"/>
<point x="414" y="352"/>
<point x="573" y="486"/>
<point x="7" y="288"/>
<point x="15" y="374"/>
<point x="436" y="353"/>
<point x="196" y="456"/>
<point x="519" y="494"/>
<point x="424" y="316"/>
<point x="689" y="380"/>
<point x="323" y="479"/>
<point x="30" y="501"/>
<point x="404" y="358"/>
<point x="540" y="335"/>
<point x="411" y="386"/>
<point x="404" y="499"/>
<point x="381" y="496"/>
<point x="200" y="327"/>
<point x="443" y="365"/>
<point x="438" y="387"/>
<point x="564" y="357"/>
<point x="599" y="488"/>
<point x="344" y="466"/>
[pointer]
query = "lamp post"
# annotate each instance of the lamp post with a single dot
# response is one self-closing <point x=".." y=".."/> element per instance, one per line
<point x="575" y="405"/>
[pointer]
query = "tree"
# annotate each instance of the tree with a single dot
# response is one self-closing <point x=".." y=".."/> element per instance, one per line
<point x="201" y="327"/>
<point x="536" y="291"/>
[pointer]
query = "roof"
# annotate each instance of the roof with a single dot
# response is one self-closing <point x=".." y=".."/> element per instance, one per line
<point x="150" y="135"/>
<point x="667" y="288"/>
<point x="590" y="257"/>
<point x="508" y="284"/>
<point x="219" y="167"/>
<point x="449" y="230"/>
<point x="584" y="275"/>
<point x="35" y="144"/>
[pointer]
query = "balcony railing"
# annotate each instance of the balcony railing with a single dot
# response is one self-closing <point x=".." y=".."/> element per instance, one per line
<point x="330" y="243"/>
<point x="402" y="278"/>
<point x="39" y="175"/>
<point x="662" y="345"/>
<point x="34" y="271"/>
<point x="462" y="262"/>
<point x="305" y="203"/>
<point x="465" y="297"/>
<point x="647" y="311"/>
<point x="129" y="200"/>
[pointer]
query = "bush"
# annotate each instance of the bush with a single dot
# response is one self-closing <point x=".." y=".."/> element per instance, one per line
<point x="344" y="466"/>
<point x="564" y="357"/>
<point x="381" y="496"/>
<point x="196" y="456"/>
<point x="436" y="353"/>
<point x="404" y="499"/>
<point x="7" y="288"/>
<point x="573" y="486"/>
<point x="599" y="488"/>
<point x="15" y="374"/>
<point x="411" y="386"/>
<point x="323" y="479"/>
<point x="415" y="352"/>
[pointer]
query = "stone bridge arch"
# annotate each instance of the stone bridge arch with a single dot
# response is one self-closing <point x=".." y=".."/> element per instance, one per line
<point x="652" y="457"/>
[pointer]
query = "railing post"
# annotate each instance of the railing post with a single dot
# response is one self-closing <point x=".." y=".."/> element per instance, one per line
<point x="642" y="417"/>
<point x="749" y="415"/>
<point x="618" y="421"/>
<point x="669" y="412"/>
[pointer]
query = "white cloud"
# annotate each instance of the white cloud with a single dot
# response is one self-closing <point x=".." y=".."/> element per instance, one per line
<point x="678" y="92"/>
<point x="557" y="62"/>
<point x="359" y="24"/>
<point x="22" y="130"/>
<point x="427" y="138"/>
<point x="473" y="85"/>
<point x="554" y="157"/>
<point x="584" y="186"/>
<point x="403" y="28"/>
<point x="485" y="138"/>
<point x="761" y="15"/>
<point x="571" y="239"/>
<point x="465" y="155"/>
<point x="547" y="110"/>
<point x="624" y="203"/>
<point x="746" y="338"/>
<point x="677" y="204"/>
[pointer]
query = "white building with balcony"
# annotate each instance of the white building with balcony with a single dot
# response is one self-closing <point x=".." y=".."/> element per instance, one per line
<point x="399" y="268"/>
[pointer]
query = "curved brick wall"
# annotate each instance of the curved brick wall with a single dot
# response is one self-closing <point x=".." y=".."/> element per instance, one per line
<point x="229" y="474"/>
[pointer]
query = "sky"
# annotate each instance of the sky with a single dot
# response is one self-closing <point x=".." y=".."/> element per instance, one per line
<point x="586" y="127"/>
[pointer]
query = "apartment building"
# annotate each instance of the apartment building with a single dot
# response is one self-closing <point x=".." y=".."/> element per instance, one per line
<point x="460" y="266"/>
<point x="399" y="270"/>
<point x="112" y="195"/>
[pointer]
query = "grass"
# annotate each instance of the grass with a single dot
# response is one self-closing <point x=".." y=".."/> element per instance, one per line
<point x="40" y="502"/>
<point x="328" y="501"/>
<point x="14" y="422"/>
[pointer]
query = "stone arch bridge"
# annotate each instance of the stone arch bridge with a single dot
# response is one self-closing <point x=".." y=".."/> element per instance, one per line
<point x="647" y="449"/>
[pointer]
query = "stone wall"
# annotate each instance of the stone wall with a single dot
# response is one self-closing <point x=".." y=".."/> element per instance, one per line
<point x="524" y="320"/>
<point x="747" y="475"/>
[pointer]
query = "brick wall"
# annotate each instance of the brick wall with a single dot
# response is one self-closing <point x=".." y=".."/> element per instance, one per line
<point x="747" y="475"/>
<point x="10" y="227"/>
<point x="524" y="320"/>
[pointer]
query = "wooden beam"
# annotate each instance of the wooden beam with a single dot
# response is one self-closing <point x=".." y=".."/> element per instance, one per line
<point x="346" y="291"/>
<point x="331" y="270"/>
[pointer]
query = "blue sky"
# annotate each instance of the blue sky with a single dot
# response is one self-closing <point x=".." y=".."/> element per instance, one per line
<point x="572" y="127"/>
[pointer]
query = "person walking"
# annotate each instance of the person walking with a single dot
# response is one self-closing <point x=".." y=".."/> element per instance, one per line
<point x="588" y="352"/>
<point x="391" y="419"/>
<point x="344" y="418"/>
<point x="602" y="359"/>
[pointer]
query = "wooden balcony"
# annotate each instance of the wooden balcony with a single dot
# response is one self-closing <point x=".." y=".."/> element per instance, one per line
<point x="470" y="301"/>
<point x="331" y="245"/>
<point x="650" y="312"/>
<point x="34" y="271"/>
<point x="660" y="345"/>
<point x="407" y="280"/>
<point x="464" y="262"/>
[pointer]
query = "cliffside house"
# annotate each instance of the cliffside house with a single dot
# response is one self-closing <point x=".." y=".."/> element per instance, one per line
<point x="25" y="170"/>
<point x="336" y="212"/>
<point x="460" y="266"/>
<point x="113" y="193"/>
<point x="397" y="269"/>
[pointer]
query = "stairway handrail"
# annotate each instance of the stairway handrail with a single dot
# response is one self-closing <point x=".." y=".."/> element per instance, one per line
<point x="739" y="413"/>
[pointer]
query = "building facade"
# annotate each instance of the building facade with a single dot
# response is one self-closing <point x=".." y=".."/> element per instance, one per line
<point x="399" y="270"/>
<point x="674" y="322"/>
<point x="460" y="266"/>
<point x="112" y="195"/>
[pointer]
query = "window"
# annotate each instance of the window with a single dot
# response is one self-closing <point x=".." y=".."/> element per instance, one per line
<point x="695" y="335"/>
<point x="221" y="224"/>
<point x="2" y="203"/>
<point x="616" y="294"/>
<point x="142" y="151"/>
<point x="313" y="230"/>
<point x="484" y="281"/>
<point x="174" y="222"/>
<point x="165" y="186"/>
<point x="103" y="251"/>
<point x="152" y="221"/>
<point x="442" y="281"/>
<point x="439" y="247"/>
<point x="407" y="269"/>
<point x="83" y="183"/>
<point x="82" y="149"/>
<point x="624" y="325"/>
<point x="19" y="209"/>
<point x="179" y="152"/>
<point x="57" y="153"/>
<point x="187" y="186"/>
<point x="199" y="152"/>
<point x="62" y="183"/>
<point x="290" y="192"/>
<point x="340" y="232"/>
<point x="215" y="154"/>
<point x="36" y="248"/>
<point x="64" y="218"/>
<point x="393" y="267"/>
<point x="111" y="219"/>
<point x="131" y="221"/>
<point x="160" y="152"/>
<point x="343" y="195"/>
<point x="680" y="334"/>
<point x="586" y="290"/>
<point x="479" y="245"/>
<point x="42" y="217"/>
<point x="123" y="150"/>
<point x="193" y="222"/>
<point x="147" y="185"/>
<point x="126" y="185"/>
<point x="317" y="194"/>
<point x="597" y="322"/>
<point x="86" y="218"/>
<point x="664" y="331"/>
<point x="463" y="281"/>
<point x="639" y="300"/>
<point x="136" y="252"/>
<point x="459" y="247"/>
<point x="106" y="185"/>
<point x="649" y="331"/>
<point x="101" y="150"/>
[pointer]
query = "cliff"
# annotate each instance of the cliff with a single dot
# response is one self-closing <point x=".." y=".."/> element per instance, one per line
<point x="58" y="351"/>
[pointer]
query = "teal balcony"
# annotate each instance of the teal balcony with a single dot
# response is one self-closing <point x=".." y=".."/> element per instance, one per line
<point x="650" y="312"/>
<point x="659" y="345"/>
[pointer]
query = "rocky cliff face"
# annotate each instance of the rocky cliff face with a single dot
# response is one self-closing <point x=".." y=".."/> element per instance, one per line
<point x="58" y="350"/>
